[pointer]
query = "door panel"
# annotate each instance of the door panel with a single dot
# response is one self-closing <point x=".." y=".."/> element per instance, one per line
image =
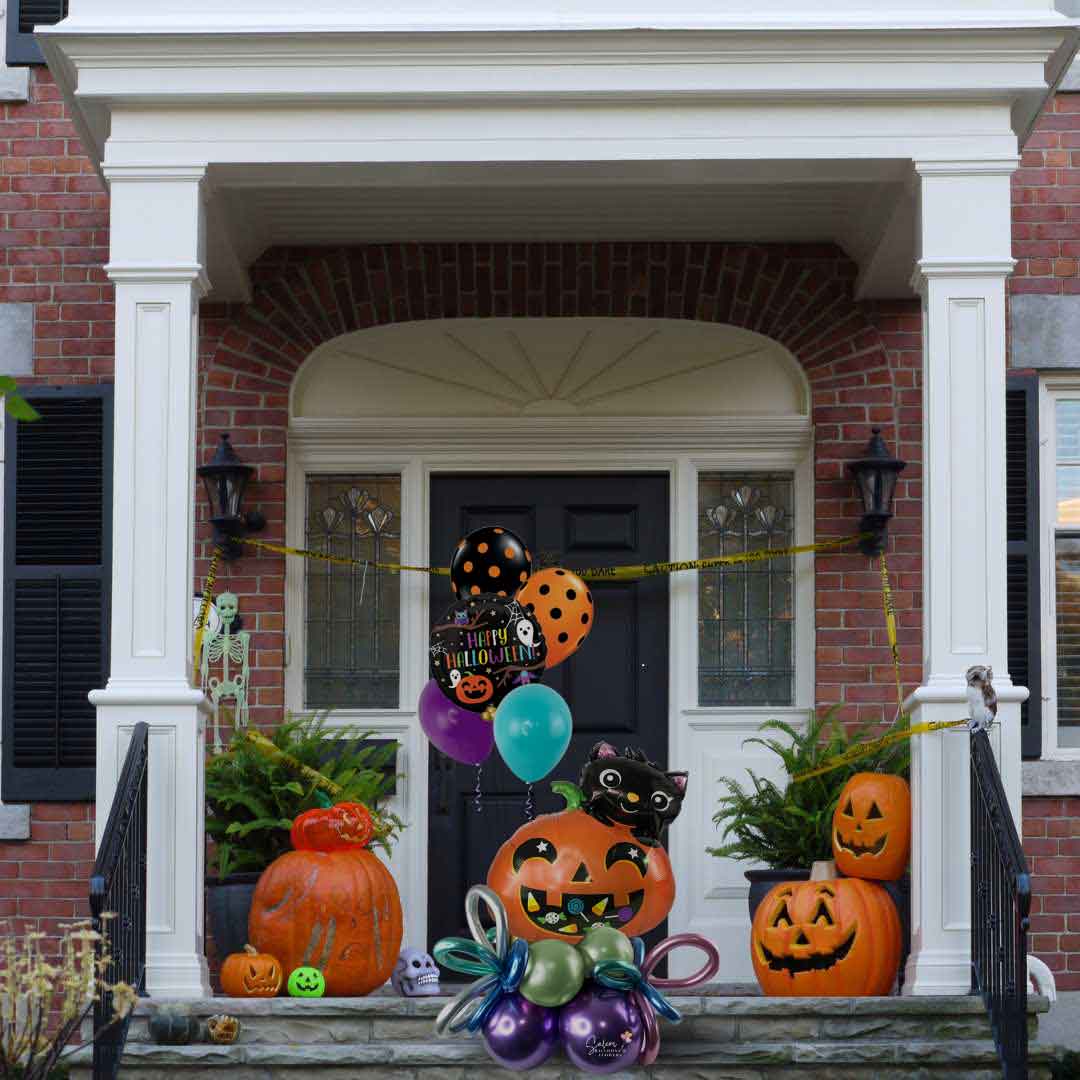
<point x="616" y="685"/>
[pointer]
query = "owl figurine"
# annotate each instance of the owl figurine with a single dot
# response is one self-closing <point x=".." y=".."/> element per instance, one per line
<point x="981" y="697"/>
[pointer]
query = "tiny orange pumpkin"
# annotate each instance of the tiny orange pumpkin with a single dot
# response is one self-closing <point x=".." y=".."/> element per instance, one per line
<point x="872" y="827"/>
<point x="251" y="974"/>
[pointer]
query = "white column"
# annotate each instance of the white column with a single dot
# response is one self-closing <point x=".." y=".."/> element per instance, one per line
<point x="156" y="263"/>
<point x="964" y="257"/>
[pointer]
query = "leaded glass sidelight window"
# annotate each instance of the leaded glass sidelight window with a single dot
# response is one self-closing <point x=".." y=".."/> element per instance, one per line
<point x="353" y="612"/>
<point x="746" y="611"/>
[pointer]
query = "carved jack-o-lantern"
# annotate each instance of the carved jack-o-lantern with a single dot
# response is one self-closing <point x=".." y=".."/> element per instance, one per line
<point x="837" y="938"/>
<point x="564" y="872"/>
<point x="872" y="827"/>
<point x="251" y="974"/>
<point x="333" y="828"/>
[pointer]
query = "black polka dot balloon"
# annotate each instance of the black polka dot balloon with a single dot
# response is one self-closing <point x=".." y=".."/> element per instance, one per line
<point x="490" y="560"/>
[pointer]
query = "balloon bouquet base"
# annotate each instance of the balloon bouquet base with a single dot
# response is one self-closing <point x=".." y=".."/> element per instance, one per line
<point x="597" y="999"/>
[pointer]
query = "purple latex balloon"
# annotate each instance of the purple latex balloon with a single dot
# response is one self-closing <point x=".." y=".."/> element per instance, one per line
<point x="602" y="1030"/>
<point x="520" y="1035"/>
<point x="465" y="736"/>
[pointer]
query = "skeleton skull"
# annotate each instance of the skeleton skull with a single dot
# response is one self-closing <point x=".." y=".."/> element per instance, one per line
<point x="227" y="605"/>
<point x="415" y="974"/>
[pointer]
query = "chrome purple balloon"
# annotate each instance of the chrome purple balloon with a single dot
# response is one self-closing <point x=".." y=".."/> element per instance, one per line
<point x="465" y="736"/>
<point x="602" y="1030"/>
<point x="520" y="1035"/>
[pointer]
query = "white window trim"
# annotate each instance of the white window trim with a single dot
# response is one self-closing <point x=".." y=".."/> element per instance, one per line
<point x="658" y="444"/>
<point x="1052" y="389"/>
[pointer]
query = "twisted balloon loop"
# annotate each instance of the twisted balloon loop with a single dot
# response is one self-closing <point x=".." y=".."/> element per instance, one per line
<point x="635" y="979"/>
<point x="498" y="961"/>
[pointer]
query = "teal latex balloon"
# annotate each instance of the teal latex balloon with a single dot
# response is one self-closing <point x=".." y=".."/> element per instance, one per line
<point x="532" y="730"/>
<point x="604" y="943"/>
<point x="555" y="973"/>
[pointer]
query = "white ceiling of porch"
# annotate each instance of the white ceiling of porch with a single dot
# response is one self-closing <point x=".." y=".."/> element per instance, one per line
<point x="732" y="201"/>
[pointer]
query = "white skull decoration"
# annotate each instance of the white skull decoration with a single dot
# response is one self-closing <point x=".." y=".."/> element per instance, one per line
<point x="415" y="974"/>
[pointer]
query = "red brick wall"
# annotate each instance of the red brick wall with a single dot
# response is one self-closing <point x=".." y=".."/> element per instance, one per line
<point x="862" y="362"/>
<point x="54" y="222"/>
<point x="1046" y="203"/>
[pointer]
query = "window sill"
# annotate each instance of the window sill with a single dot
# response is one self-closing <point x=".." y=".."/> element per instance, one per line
<point x="14" y="83"/>
<point x="1061" y="777"/>
<point x="15" y="822"/>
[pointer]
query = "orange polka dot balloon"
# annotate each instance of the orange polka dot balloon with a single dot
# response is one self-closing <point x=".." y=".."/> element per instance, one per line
<point x="563" y="606"/>
<point x="489" y="560"/>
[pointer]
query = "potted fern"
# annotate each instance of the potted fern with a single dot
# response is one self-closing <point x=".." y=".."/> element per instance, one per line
<point x="253" y="793"/>
<point x="786" y="827"/>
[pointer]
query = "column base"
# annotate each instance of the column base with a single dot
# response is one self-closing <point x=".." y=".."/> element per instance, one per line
<point x="177" y="975"/>
<point x="937" y="972"/>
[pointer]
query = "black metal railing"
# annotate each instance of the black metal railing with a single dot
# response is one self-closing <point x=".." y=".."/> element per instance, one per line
<point x="118" y="900"/>
<point x="1000" y="903"/>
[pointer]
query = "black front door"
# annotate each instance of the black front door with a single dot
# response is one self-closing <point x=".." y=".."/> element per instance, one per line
<point x="616" y="685"/>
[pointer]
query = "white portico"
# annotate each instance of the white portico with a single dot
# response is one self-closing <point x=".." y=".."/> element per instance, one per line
<point x="889" y="129"/>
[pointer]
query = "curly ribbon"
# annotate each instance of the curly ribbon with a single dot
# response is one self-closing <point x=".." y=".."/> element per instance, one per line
<point x="492" y="955"/>
<point x="635" y="979"/>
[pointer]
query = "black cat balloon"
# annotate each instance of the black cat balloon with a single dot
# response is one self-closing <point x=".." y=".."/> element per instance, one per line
<point x="628" y="789"/>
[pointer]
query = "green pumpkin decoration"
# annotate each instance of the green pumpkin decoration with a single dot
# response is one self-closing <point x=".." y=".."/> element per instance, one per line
<point x="307" y="982"/>
<point x="173" y="1025"/>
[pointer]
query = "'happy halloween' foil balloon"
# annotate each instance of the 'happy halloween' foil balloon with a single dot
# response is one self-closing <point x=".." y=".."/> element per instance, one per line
<point x="483" y="648"/>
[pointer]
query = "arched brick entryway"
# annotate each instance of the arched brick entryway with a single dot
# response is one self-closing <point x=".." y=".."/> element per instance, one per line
<point x="861" y="361"/>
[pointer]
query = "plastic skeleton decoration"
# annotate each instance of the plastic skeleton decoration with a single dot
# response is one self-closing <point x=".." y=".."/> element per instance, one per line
<point x="231" y="651"/>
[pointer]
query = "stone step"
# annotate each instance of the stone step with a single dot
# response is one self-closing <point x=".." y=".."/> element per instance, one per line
<point x="721" y="1038"/>
<point x="467" y="1060"/>
<point x="705" y="1019"/>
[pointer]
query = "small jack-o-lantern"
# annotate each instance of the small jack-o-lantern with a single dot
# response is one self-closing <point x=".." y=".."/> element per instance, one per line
<point x="872" y="827"/>
<point x="563" y="873"/>
<point x="836" y="938"/>
<point x="251" y="974"/>
<point x="474" y="689"/>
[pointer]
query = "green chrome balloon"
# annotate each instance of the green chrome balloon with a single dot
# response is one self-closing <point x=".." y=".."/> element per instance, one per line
<point x="555" y="973"/>
<point x="306" y="982"/>
<point x="604" y="943"/>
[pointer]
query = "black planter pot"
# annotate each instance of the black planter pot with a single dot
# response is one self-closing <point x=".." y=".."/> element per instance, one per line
<point x="761" y="881"/>
<point x="228" y="903"/>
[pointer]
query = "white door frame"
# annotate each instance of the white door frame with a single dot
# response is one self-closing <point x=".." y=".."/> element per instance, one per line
<point x="676" y="446"/>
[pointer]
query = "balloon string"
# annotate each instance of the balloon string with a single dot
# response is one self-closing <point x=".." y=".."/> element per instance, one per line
<point x="478" y="806"/>
<point x="529" y="812"/>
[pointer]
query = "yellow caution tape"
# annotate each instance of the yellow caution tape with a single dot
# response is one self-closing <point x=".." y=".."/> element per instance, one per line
<point x="200" y="622"/>
<point x="890" y="630"/>
<point x="593" y="573"/>
<point x="262" y="743"/>
<point x="873" y="745"/>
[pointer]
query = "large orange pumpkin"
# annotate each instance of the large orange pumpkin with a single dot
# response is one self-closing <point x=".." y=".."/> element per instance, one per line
<point x="872" y="827"/>
<point x="562" y="873"/>
<point x="836" y="938"/>
<point x="251" y="974"/>
<point x="337" y="910"/>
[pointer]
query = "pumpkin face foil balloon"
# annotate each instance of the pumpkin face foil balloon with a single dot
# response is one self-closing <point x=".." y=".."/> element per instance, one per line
<point x="838" y="938"/>
<point x="563" y="873"/>
<point x="872" y="827"/>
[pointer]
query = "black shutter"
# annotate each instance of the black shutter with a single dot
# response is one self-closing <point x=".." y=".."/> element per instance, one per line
<point x="22" y="17"/>
<point x="1022" y="574"/>
<point x="58" y="524"/>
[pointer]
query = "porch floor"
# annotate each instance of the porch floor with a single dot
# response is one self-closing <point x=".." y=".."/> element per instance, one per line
<point x="721" y="1038"/>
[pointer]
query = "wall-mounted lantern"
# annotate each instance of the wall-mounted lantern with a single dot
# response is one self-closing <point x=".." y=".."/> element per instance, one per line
<point x="225" y="478"/>
<point x="875" y="475"/>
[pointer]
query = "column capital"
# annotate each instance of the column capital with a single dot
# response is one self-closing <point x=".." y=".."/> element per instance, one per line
<point x="1000" y="166"/>
<point x="149" y="173"/>
<point x="159" y="274"/>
